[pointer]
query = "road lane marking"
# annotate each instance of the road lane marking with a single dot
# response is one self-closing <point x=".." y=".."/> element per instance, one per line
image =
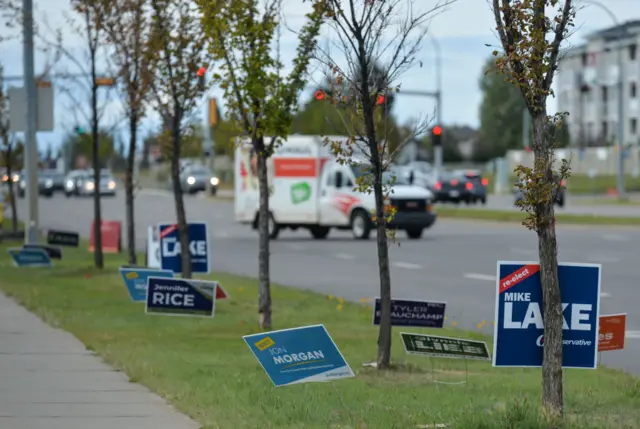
<point x="633" y="334"/>
<point x="345" y="256"/>
<point x="605" y="295"/>
<point x="406" y="265"/>
<point x="476" y="276"/>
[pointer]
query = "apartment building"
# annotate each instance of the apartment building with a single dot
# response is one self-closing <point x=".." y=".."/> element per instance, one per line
<point x="587" y="86"/>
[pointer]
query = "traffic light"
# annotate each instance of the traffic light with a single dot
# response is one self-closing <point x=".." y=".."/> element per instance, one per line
<point x="319" y="95"/>
<point x="79" y="130"/>
<point x="202" y="82"/>
<point x="379" y="99"/>
<point x="436" y="135"/>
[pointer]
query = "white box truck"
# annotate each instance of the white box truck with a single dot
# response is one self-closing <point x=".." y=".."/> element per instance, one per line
<point x="310" y="189"/>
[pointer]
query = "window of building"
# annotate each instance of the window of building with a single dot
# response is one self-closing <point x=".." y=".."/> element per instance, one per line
<point x="634" y="126"/>
<point x="633" y="52"/>
<point x="605" y="128"/>
<point x="605" y="94"/>
<point x="633" y="90"/>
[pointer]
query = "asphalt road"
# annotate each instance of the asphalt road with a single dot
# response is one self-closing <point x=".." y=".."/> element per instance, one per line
<point x="454" y="262"/>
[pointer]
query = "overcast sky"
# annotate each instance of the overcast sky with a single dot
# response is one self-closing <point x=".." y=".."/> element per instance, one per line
<point x="463" y="31"/>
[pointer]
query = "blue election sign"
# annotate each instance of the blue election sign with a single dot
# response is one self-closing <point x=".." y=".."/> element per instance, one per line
<point x="406" y="312"/>
<point x="30" y="257"/>
<point x="519" y="329"/>
<point x="180" y="297"/>
<point x="170" y="251"/>
<point x="135" y="279"/>
<point x="299" y="355"/>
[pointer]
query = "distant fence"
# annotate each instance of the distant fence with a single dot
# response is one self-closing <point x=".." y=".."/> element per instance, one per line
<point x="601" y="161"/>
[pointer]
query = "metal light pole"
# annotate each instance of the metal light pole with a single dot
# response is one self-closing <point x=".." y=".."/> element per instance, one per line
<point x="621" y="184"/>
<point x="437" y="153"/>
<point x="30" y="147"/>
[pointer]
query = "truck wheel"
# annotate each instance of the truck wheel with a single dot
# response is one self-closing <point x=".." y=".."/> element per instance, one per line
<point x="319" y="232"/>
<point x="414" y="233"/>
<point x="274" y="228"/>
<point x="360" y="224"/>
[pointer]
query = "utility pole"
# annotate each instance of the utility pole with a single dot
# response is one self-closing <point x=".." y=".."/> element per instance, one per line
<point x="437" y="152"/>
<point x="30" y="147"/>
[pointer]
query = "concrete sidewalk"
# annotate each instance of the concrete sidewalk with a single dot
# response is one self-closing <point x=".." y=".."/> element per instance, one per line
<point x="48" y="380"/>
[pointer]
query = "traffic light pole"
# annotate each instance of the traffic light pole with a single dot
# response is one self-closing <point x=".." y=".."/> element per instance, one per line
<point x="30" y="147"/>
<point x="437" y="152"/>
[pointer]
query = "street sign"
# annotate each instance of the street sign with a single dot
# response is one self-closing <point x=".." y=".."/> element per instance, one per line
<point x="612" y="332"/>
<point x="180" y="297"/>
<point x="519" y="329"/>
<point x="25" y="257"/>
<point x="170" y="252"/>
<point x="135" y="279"/>
<point x="63" y="238"/>
<point x="404" y="312"/>
<point x="18" y="109"/>
<point x="299" y="355"/>
<point x="53" y="252"/>
<point x="444" y="347"/>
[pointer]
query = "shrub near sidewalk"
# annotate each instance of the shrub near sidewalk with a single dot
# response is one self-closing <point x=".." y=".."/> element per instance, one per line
<point x="204" y="368"/>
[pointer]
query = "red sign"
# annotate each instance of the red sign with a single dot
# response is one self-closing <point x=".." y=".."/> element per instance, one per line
<point x="111" y="233"/>
<point x="221" y="293"/>
<point x="612" y="332"/>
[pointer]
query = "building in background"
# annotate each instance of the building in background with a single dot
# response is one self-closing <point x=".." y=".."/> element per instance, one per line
<point x="587" y="87"/>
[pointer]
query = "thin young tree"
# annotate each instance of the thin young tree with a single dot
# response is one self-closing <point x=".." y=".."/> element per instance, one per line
<point x="258" y="96"/>
<point x="178" y="57"/>
<point x="126" y="26"/>
<point x="89" y="26"/>
<point x="8" y="152"/>
<point x="379" y="41"/>
<point x="531" y="42"/>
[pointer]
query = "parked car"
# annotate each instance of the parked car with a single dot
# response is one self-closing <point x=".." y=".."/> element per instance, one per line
<point x="559" y="192"/>
<point x="81" y="183"/>
<point x="195" y="178"/>
<point x="49" y="182"/>
<point x="461" y="186"/>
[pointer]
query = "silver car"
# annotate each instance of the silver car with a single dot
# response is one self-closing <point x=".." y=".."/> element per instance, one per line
<point x="81" y="183"/>
<point x="195" y="178"/>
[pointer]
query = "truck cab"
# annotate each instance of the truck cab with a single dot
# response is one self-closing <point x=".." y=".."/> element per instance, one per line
<point x="310" y="189"/>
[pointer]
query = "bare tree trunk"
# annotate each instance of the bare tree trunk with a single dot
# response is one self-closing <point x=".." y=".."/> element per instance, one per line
<point x="131" y="220"/>
<point x="181" y="215"/>
<point x="98" y="257"/>
<point x="264" y="299"/>
<point x="12" y="194"/>
<point x="552" y="395"/>
<point x="384" y="334"/>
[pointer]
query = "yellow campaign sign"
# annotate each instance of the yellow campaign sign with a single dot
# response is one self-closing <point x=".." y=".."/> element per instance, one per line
<point x="132" y="275"/>
<point x="264" y="344"/>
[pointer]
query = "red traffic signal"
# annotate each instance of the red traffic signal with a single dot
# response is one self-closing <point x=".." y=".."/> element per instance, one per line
<point x="319" y="95"/>
<point x="379" y="99"/>
<point x="437" y="130"/>
<point x="201" y="71"/>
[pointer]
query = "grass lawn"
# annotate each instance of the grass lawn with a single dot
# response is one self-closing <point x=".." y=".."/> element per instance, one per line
<point x="204" y="368"/>
<point x="517" y="216"/>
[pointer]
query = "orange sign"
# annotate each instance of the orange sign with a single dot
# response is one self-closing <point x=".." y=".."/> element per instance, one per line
<point x="295" y="167"/>
<point x="111" y="237"/>
<point x="612" y="329"/>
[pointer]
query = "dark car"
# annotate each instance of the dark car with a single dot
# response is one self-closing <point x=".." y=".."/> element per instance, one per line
<point x="461" y="186"/>
<point x="49" y="182"/>
<point x="196" y="178"/>
<point x="559" y="192"/>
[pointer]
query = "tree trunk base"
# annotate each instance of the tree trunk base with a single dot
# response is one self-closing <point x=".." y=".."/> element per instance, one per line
<point x="264" y="321"/>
